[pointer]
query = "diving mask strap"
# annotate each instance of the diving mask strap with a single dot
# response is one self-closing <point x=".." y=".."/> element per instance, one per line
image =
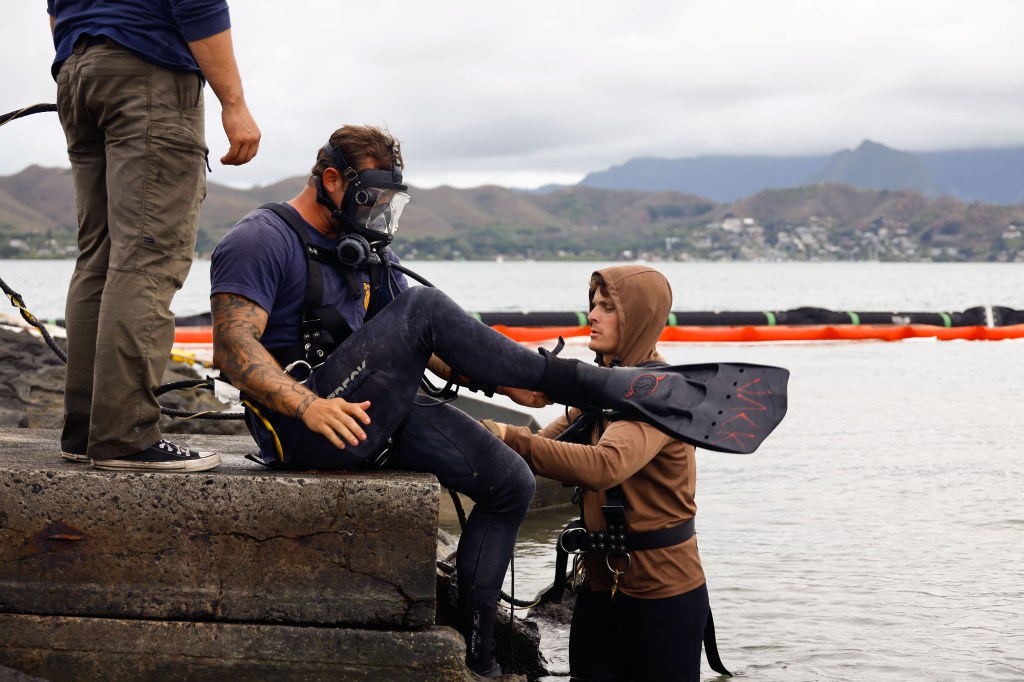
<point x="340" y="164"/>
<point x="324" y="200"/>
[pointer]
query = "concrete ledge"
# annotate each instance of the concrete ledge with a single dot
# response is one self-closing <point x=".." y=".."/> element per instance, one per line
<point x="62" y="648"/>
<point x="241" y="543"/>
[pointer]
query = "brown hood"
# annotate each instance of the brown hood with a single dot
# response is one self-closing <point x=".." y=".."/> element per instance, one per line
<point x="643" y="300"/>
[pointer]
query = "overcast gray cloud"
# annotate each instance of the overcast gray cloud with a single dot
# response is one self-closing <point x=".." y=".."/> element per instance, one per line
<point x="525" y="93"/>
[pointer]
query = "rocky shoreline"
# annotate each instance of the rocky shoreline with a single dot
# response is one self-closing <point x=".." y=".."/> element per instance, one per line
<point x="32" y="389"/>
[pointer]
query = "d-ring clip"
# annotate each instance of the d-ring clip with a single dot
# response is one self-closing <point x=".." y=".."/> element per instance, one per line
<point x="566" y="532"/>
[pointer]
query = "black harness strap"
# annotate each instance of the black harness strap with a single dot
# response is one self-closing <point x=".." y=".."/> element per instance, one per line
<point x="316" y="315"/>
<point x="314" y="255"/>
<point x="557" y="589"/>
<point x="616" y="543"/>
<point x="711" y="647"/>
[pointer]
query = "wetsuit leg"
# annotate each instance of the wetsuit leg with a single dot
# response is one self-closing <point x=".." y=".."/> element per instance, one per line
<point x="595" y="647"/>
<point x="663" y="637"/>
<point x="465" y="457"/>
<point x="383" y="361"/>
<point x="645" y="640"/>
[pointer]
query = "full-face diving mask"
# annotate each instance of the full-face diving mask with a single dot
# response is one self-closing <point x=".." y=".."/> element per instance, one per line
<point x="373" y="210"/>
<point x="373" y="201"/>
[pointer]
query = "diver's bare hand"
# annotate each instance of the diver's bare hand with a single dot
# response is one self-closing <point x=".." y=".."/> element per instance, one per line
<point x="337" y="419"/>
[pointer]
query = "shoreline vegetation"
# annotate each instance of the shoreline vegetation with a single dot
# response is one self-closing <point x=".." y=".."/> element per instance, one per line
<point x="820" y="222"/>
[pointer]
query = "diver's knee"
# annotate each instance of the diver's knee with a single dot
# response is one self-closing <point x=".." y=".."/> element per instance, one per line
<point x="510" y="490"/>
<point x="418" y="297"/>
<point x="521" y="486"/>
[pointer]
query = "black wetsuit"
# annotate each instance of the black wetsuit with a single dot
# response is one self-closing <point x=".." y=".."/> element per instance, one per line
<point x="641" y="640"/>
<point x="382" y="361"/>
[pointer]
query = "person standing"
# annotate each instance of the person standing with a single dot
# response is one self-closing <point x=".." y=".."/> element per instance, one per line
<point x="130" y="77"/>
<point x="642" y="615"/>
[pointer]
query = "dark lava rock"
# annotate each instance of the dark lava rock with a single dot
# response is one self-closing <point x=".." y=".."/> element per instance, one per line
<point x="32" y="390"/>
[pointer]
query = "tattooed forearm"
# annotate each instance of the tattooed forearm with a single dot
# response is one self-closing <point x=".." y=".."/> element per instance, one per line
<point x="238" y="325"/>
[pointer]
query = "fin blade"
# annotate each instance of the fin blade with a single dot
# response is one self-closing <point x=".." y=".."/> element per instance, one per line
<point x="727" y="407"/>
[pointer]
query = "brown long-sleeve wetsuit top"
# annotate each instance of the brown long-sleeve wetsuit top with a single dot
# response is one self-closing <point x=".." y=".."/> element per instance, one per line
<point x="658" y="474"/>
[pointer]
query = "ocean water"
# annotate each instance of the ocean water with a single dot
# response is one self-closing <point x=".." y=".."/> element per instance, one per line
<point x="878" y="534"/>
<point x="484" y="286"/>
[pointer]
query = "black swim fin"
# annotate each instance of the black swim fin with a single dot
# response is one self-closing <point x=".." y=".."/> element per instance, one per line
<point x="728" y="407"/>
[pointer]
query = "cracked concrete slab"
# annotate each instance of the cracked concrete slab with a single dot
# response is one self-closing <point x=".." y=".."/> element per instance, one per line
<point x="60" y="648"/>
<point x="238" y="544"/>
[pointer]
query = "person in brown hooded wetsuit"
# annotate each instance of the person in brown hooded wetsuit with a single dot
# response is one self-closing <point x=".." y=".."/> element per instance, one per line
<point x="646" y="622"/>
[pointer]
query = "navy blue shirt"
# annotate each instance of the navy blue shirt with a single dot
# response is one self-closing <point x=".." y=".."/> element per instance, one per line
<point x="261" y="259"/>
<point x="158" y="31"/>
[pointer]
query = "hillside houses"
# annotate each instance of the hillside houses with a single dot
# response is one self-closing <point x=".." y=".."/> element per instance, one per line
<point x="820" y="239"/>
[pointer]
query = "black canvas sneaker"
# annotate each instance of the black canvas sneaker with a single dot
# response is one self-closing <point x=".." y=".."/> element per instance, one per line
<point x="161" y="456"/>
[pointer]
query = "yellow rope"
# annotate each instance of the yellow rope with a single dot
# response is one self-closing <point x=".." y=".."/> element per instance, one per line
<point x="189" y="358"/>
<point x="277" y="441"/>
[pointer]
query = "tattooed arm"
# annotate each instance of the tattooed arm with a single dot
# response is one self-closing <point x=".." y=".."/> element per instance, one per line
<point x="238" y="325"/>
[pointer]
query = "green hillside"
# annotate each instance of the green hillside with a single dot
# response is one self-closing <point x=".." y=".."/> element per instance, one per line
<point x="826" y="221"/>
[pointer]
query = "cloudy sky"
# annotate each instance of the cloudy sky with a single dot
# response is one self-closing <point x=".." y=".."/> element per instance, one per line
<point x="522" y="93"/>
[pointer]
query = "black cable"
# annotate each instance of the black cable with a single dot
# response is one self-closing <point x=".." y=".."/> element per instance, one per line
<point x="512" y="612"/>
<point x="18" y="302"/>
<point x="406" y="271"/>
<point x="459" y="511"/>
<point x="181" y="385"/>
<point x="31" y="109"/>
<point x="510" y="599"/>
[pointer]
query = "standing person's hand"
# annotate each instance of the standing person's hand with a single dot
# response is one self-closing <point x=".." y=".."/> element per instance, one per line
<point x="243" y="135"/>
<point x="216" y="58"/>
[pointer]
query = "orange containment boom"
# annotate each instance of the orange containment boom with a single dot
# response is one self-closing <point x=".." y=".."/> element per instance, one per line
<point x="984" y="323"/>
<point x="839" y="333"/>
<point x="749" y="334"/>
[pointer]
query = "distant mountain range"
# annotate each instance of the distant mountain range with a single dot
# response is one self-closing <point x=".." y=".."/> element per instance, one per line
<point x="872" y="202"/>
<point x="994" y="176"/>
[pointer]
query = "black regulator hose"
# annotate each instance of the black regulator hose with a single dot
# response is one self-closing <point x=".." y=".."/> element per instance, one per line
<point x="406" y="271"/>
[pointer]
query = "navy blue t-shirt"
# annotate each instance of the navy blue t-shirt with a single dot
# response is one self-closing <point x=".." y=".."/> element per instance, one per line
<point x="158" y="31"/>
<point x="261" y="259"/>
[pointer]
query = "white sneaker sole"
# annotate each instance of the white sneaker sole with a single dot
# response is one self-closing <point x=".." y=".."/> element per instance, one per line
<point x="72" y="457"/>
<point x="204" y="463"/>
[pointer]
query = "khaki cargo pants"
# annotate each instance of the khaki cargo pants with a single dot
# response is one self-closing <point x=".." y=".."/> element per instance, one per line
<point x="135" y="134"/>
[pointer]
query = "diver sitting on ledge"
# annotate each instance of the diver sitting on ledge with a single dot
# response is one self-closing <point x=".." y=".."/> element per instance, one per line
<point x="314" y="359"/>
